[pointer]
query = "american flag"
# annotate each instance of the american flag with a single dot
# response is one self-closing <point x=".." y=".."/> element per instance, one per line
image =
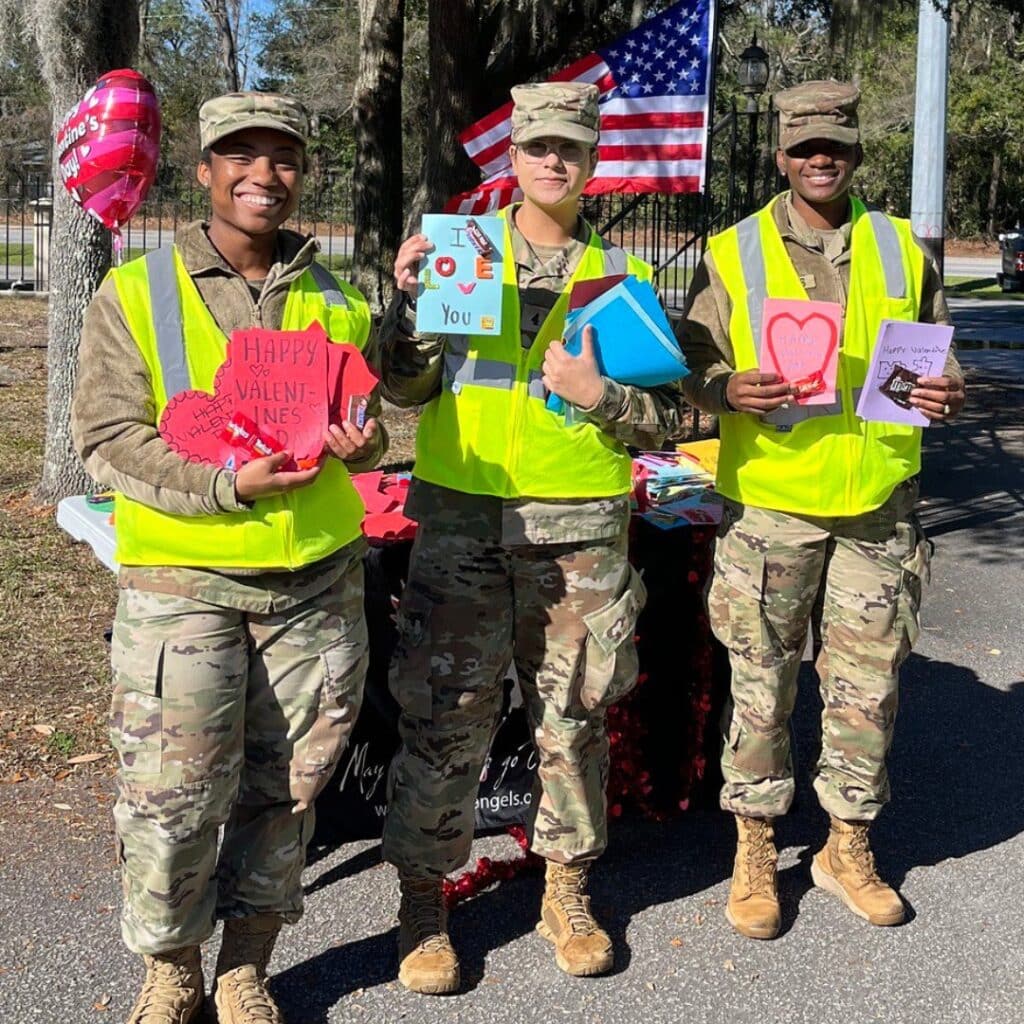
<point x="655" y="82"/>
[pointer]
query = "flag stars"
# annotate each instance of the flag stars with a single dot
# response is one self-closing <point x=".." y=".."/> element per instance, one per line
<point x="695" y="63"/>
<point x="695" y="39"/>
<point x="648" y="88"/>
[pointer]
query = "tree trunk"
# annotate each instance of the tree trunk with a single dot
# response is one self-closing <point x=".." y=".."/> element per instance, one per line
<point x="377" y="173"/>
<point x="220" y="15"/>
<point x="456" y="77"/>
<point x="993" y="190"/>
<point x="79" y="40"/>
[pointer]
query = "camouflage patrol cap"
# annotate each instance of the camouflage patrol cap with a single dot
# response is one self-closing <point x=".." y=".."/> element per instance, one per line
<point x="225" y="115"/>
<point x="818" y="110"/>
<point x="564" y="110"/>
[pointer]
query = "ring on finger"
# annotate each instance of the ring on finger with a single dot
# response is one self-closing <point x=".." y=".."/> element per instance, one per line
<point x="945" y="409"/>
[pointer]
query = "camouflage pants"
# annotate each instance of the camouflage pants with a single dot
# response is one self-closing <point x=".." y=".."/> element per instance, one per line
<point x="770" y="568"/>
<point x="223" y="717"/>
<point x="565" y="614"/>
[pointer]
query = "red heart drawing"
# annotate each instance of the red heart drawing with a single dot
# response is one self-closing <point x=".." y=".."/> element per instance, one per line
<point x="466" y="288"/>
<point x="820" y="337"/>
<point x="192" y="421"/>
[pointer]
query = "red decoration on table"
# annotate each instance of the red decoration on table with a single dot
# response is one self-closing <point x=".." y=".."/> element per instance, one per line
<point x="384" y="498"/>
<point x="108" y="146"/>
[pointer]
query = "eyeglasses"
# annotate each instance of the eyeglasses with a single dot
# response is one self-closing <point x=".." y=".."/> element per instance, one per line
<point x="568" y="152"/>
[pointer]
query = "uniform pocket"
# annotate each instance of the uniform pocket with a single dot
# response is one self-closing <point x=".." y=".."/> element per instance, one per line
<point x="317" y="753"/>
<point x="136" y="712"/>
<point x="916" y="571"/>
<point x="409" y="675"/>
<point x="610" y="661"/>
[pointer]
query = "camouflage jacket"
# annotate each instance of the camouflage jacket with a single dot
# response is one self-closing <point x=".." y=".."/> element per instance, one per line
<point x="641" y="417"/>
<point x="821" y="258"/>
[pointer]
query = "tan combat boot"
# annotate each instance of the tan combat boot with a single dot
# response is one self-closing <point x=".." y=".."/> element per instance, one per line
<point x="427" y="960"/>
<point x="173" y="990"/>
<point x="582" y="947"/>
<point x="846" y="867"/>
<point x="753" y="907"/>
<point x="240" y="990"/>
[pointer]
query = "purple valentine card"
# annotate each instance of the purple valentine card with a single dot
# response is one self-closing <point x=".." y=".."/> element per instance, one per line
<point x="904" y="351"/>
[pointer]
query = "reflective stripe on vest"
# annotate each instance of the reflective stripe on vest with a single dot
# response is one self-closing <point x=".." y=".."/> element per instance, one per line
<point x="818" y="460"/>
<point x="169" y="325"/>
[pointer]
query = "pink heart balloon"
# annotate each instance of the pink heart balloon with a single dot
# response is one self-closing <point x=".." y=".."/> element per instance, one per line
<point x="108" y="147"/>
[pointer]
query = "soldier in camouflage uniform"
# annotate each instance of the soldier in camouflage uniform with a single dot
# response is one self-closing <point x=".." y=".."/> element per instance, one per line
<point x="235" y="686"/>
<point x="791" y="544"/>
<point x="499" y="575"/>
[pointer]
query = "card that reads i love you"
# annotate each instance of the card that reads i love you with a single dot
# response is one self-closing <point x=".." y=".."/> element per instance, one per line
<point x="800" y="343"/>
<point x="460" y="279"/>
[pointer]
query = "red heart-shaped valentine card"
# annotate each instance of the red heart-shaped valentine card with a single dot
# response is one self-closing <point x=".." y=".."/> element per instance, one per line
<point x="192" y="421"/>
<point x="350" y="379"/>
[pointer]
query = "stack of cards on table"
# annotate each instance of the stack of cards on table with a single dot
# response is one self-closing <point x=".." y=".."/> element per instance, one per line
<point x="275" y="391"/>
<point x="633" y="340"/>
<point x="672" y="489"/>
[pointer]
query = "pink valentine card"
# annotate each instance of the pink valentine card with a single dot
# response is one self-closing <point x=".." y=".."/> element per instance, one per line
<point x="800" y="342"/>
<point x="279" y="380"/>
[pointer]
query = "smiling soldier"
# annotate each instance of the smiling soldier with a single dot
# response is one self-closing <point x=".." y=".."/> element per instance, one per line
<point x="817" y="500"/>
<point x="520" y="553"/>
<point x="239" y="647"/>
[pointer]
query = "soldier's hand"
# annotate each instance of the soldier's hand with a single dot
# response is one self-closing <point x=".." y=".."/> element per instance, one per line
<point x="939" y="398"/>
<point x="348" y="442"/>
<point x="410" y="253"/>
<point x="755" y="392"/>
<point x="263" y="478"/>
<point x="576" y="379"/>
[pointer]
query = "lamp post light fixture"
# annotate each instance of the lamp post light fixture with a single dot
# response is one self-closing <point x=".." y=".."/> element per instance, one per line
<point x="753" y="72"/>
<point x="753" y="77"/>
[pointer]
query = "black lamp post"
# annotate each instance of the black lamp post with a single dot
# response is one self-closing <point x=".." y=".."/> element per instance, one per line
<point x="753" y="77"/>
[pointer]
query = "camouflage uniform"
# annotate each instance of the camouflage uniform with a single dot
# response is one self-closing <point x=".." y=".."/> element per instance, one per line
<point x="771" y="566"/>
<point x="545" y="585"/>
<point x="234" y="690"/>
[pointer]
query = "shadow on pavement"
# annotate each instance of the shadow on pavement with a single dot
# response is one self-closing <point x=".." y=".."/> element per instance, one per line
<point x="973" y="470"/>
<point x="956" y="775"/>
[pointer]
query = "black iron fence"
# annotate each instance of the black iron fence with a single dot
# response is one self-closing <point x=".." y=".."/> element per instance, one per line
<point x="669" y="231"/>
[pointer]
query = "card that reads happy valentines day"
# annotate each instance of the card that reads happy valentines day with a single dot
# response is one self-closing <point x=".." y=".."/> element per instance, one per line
<point x="460" y="278"/>
<point x="278" y="380"/>
<point x="903" y="352"/>
<point x="800" y="342"/>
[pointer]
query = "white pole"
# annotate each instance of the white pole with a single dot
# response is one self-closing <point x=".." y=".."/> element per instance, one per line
<point x="927" y="205"/>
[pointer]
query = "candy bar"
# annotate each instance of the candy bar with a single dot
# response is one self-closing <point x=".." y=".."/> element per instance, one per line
<point x="899" y="385"/>
<point x="812" y="384"/>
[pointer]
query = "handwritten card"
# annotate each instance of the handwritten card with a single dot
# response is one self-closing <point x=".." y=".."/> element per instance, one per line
<point x="800" y="342"/>
<point x="460" y="280"/>
<point x="903" y="352"/>
<point x="279" y="380"/>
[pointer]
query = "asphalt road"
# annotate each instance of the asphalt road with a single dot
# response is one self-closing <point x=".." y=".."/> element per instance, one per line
<point x="951" y="839"/>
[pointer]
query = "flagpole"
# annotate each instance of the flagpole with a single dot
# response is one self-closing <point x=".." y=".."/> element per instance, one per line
<point x="708" y="154"/>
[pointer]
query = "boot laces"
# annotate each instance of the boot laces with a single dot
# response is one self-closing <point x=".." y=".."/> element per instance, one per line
<point x="426" y="915"/>
<point x="861" y="855"/>
<point x="762" y="861"/>
<point x="251" y="996"/>
<point x="569" y="892"/>
<point x="165" y="990"/>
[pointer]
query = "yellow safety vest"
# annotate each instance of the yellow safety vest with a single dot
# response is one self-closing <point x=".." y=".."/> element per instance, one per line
<point x="489" y="430"/>
<point x="818" y="460"/>
<point x="183" y="347"/>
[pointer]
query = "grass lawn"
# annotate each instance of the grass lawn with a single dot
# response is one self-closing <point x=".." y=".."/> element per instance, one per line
<point x="979" y="288"/>
<point x="56" y="599"/>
